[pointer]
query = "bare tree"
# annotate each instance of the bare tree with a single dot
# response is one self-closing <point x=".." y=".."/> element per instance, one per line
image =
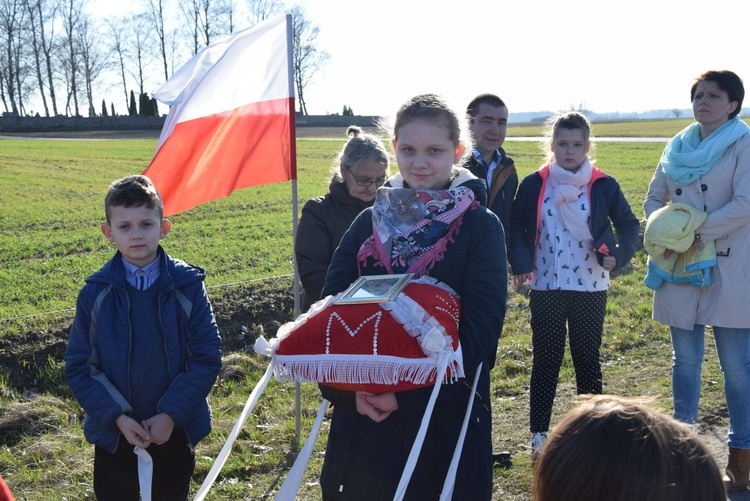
<point x="307" y="58"/>
<point x="226" y="11"/>
<point x="191" y="10"/>
<point x="207" y="20"/>
<point x="139" y="48"/>
<point x="260" y="10"/>
<point x="118" y="50"/>
<point x="11" y="20"/>
<point x="92" y="60"/>
<point x="156" y="10"/>
<point x="36" y="31"/>
<point x="71" y="15"/>
<point x="46" y="14"/>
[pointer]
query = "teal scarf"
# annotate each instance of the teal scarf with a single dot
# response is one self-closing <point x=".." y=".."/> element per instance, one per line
<point x="686" y="158"/>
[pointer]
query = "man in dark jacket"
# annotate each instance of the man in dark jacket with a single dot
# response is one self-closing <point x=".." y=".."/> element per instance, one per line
<point x="489" y="121"/>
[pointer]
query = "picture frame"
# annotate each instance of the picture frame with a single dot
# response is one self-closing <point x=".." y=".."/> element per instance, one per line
<point x="375" y="288"/>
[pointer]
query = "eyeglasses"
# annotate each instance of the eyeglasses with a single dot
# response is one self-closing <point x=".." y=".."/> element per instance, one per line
<point x="365" y="182"/>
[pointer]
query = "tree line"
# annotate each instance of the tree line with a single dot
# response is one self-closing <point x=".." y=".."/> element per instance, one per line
<point x="57" y="57"/>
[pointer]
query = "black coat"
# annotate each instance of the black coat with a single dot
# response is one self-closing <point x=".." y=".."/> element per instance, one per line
<point x="323" y="222"/>
<point x="365" y="459"/>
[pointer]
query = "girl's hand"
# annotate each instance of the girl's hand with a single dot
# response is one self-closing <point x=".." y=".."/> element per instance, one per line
<point x="609" y="263"/>
<point x="376" y="407"/>
<point x="521" y="279"/>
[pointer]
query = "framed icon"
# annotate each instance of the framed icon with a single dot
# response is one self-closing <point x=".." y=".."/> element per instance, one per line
<point x="375" y="288"/>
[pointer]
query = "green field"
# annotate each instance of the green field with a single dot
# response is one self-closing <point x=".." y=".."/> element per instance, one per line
<point x="50" y="213"/>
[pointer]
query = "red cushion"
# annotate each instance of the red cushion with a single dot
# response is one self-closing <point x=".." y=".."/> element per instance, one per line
<point x="373" y="347"/>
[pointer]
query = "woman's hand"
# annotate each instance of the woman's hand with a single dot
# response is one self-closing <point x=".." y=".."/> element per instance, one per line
<point x="375" y="406"/>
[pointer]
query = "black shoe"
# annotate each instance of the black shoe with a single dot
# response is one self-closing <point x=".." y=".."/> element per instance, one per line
<point x="502" y="460"/>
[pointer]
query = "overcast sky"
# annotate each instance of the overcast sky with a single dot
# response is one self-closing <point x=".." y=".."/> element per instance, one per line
<point x="536" y="55"/>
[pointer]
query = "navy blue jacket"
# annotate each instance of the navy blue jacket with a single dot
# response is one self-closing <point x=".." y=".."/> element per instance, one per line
<point x="365" y="459"/>
<point x="608" y="207"/>
<point x="97" y="359"/>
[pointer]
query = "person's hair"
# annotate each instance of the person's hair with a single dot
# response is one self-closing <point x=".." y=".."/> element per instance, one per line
<point x="570" y="120"/>
<point x="489" y="99"/>
<point x="434" y="109"/>
<point x="361" y="146"/>
<point x="618" y="449"/>
<point x="133" y="191"/>
<point x="727" y="81"/>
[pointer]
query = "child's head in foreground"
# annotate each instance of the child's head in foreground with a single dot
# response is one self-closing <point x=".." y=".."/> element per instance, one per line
<point x="135" y="222"/>
<point x="617" y="449"/>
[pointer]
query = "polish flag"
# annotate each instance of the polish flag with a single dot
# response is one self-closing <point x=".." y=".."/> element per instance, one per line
<point x="231" y="121"/>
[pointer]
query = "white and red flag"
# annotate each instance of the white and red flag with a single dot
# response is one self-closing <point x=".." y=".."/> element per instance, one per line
<point x="231" y="121"/>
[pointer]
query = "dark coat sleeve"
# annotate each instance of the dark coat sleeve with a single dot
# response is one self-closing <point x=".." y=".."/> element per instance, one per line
<point x="313" y="248"/>
<point x="523" y="225"/>
<point x="627" y="226"/>
<point x="188" y="391"/>
<point x="93" y="390"/>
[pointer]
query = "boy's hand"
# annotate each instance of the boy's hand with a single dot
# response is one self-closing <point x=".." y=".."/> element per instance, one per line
<point x="160" y="427"/>
<point x="134" y="433"/>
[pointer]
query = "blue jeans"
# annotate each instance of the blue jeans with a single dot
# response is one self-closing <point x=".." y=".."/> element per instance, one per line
<point x="733" y="348"/>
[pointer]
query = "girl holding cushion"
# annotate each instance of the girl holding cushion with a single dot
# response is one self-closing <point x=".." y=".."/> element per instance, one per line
<point x="426" y="220"/>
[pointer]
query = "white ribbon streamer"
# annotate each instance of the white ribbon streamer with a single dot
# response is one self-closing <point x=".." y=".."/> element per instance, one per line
<point x="222" y="457"/>
<point x="411" y="462"/>
<point x="289" y="489"/>
<point x="450" y="477"/>
<point x="145" y="472"/>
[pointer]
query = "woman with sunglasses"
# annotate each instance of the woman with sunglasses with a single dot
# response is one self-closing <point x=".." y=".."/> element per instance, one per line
<point x="361" y="168"/>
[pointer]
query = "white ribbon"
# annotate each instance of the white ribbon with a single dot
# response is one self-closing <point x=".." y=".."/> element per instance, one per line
<point x="145" y="472"/>
<point x="450" y="477"/>
<point x="416" y="447"/>
<point x="289" y="489"/>
<point x="222" y="457"/>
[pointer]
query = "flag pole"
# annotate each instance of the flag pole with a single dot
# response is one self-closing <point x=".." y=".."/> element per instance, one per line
<point x="295" y="205"/>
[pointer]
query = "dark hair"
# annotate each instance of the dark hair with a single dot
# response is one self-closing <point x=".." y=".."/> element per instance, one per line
<point x="133" y="191"/>
<point x="361" y="146"/>
<point x="489" y="99"/>
<point x="617" y="449"/>
<point x="727" y="81"/>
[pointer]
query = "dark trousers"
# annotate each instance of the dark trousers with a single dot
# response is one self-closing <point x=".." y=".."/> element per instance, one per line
<point x="555" y="315"/>
<point x="116" y="475"/>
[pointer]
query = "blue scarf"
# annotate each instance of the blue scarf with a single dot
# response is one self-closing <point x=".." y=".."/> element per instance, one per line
<point x="686" y="158"/>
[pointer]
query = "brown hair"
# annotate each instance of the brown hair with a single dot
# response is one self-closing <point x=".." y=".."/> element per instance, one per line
<point x="133" y="191"/>
<point x="435" y="109"/>
<point x="727" y="81"/>
<point x="618" y="449"/>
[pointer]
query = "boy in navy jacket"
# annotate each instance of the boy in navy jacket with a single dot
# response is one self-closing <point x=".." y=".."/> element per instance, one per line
<point x="144" y="352"/>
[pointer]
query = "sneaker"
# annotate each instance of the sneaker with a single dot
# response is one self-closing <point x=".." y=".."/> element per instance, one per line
<point x="537" y="444"/>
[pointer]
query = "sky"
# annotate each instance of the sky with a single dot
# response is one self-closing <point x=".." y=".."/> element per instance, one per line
<point x="537" y="55"/>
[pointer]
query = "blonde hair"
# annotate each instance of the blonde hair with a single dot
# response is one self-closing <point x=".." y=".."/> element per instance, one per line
<point x="571" y="120"/>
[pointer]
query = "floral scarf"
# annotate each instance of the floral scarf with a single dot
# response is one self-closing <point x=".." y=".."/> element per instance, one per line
<point x="412" y="228"/>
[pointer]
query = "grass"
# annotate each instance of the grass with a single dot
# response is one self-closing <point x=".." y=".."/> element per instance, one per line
<point x="50" y="240"/>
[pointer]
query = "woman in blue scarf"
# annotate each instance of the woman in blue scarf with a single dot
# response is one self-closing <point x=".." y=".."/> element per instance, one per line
<point x="707" y="166"/>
